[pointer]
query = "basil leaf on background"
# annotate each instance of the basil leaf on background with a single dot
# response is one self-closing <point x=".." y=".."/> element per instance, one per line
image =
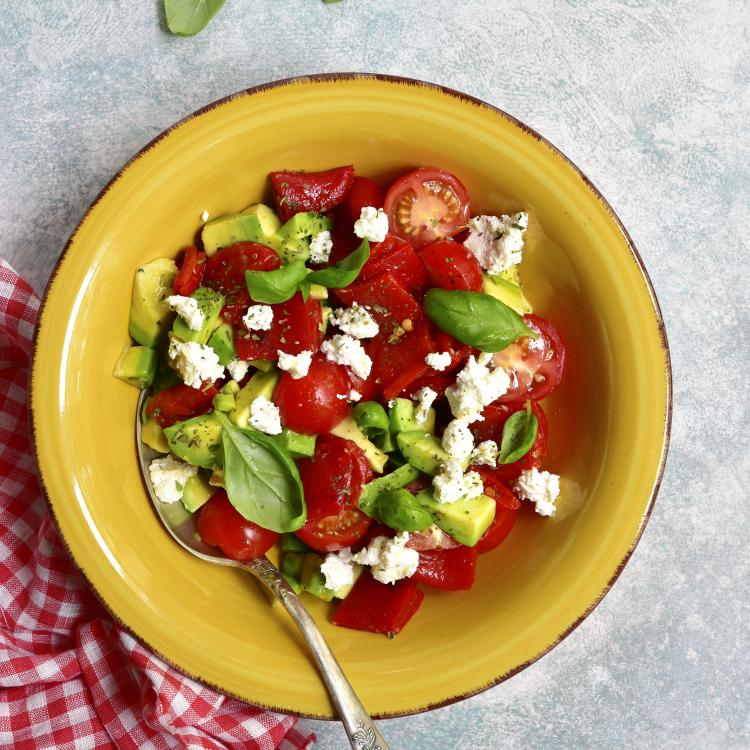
<point x="188" y="17"/>
<point x="345" y="271"/>
<point x="273" y="287"/>
<point x="476" y="319"/>
<point x="262" y="481"/>
<point x="519" y="434"/>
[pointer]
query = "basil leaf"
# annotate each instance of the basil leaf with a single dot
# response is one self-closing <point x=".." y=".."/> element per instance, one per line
<point x="262" y="481"/>
<point x="476" y="319"/>
<point x="272" y="287"/>
<point x="188" y="17"/>
<point x="519" y="434"/>
<point x="345" y="271"/>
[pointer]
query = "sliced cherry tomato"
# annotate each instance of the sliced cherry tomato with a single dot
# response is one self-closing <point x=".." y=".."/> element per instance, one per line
<point x="180" y="402"/>
<point x="310" y="191"/>
<point x="310" y="405"/>
<point x="221" y="525"/>
<point x="396" y="256"/>
<point x="296" y="327"/>
<point x="447" y="569"/>
<point x="536" y="365"/>
<point x="379" y="607"/>
<point x="364" y="192"/>
<point x="225" y="272"/>
<point x="189" y="276"/>
<point x="450" y="265"/>
<point x="427" y="205"/>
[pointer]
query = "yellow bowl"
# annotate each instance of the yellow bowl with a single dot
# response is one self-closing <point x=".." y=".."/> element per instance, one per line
<point x="609" y="420"/>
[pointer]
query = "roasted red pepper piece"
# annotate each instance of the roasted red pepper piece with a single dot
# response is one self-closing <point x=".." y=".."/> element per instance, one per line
<point x="398" y="257"/>
<point x="310" y="191"/>
<point x="447" y="569"/>
<point x="189" y="276"/>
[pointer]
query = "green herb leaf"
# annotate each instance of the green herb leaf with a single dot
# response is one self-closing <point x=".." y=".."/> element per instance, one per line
<point x="475" y="319"/>
<point x="272" y="287"/>
<point x="262" y="481"/>
<point x="519" y="434"/>
<point x="188" y="17"/>
<point x="345" y="271"/>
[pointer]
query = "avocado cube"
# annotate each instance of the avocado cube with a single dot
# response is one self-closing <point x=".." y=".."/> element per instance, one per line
<point x="210" y="303"/>
<point x="398" y="478"/>
<point x="260" y="384"/>
<point x="402" y="419"/>
<point x="422" y="450"/>
<point x="267" y="217"/>
<point x="197" y="493"/>
<point x="464" y="520"/>
<point x="222" y="342"/>
<point x="196" y="440"/>
<point x="291" y="564"/>
<point x="153" y="436"/>
<point x="248" y="226"/>
<point x="294" y="237"/>
<point x="136" y="365"/>
<point x="296" y="445"/>
<point x="349" y="430"/>
<point x="506" y="291"/>
<point x="150" y="314"/>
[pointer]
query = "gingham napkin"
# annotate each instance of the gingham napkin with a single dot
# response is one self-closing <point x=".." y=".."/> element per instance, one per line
<point x="70" y="678"/>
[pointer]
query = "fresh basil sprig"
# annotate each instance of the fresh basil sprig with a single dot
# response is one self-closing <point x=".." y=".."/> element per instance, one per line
<point x="262" y="481"/>
<point x="188" y="17"/>
<point x="476" y="319"/>
<point x="519" y="434"/>
<point x="273" y="287"/>
<point x="344" y="272"/>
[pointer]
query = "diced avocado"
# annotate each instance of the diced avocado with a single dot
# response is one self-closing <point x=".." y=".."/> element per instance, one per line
<point x="402" y="419"/>
<point x="326" y="315"/>
<point x="231" y="388"/>
<point x="223" y="402"/>
<point x="293" y="249"/>
<point x="149" y="312"/>
<point x="291" y="564"/>
<point x="507" y="292"/>
<point x="197" y="492"/>
<point x="296" y="445"/>
<point x="196" y="440"/>
<point x="165" y="376"/>
<point x="294" y="237"/>
<point x="347" y="428"/>
<point x="292" y="543"/>
<point x="250" y="225"/>
<point x="264" y="365"/>
<point x="136" y="365"/>
<point x="422" y="450"/>
<point x="260" y="384"/>
<point x="294" y="584"/>
<point x="222" y="342"/>
<point x="464" y="520"/>
<point x="153" y="435"/>
<point x="268" y="218"/>
<point x="398" y="478"/>
<point x="318" y="292"/>
<point x="314" y="582"/>
<point x="210" y="302"/>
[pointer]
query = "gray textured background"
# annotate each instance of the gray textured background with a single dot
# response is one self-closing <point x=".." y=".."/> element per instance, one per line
<point x="652" y="100"/>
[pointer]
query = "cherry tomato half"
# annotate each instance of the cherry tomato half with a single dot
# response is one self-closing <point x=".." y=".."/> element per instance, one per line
<point x="427" y="205"/>
<point x="189" y="276"/>
<point x="450" y="265"/>
<point x="221" y="525"/>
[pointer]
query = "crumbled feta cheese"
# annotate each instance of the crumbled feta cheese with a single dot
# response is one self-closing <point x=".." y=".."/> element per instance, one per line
<point x="476" y="386"/>
<point x="423" y="400"/>
<point x="297" y="365"/>
<point x="342" y="396"/>
<point x="204" y="216"/>
<point x="372" y="224"/>
<point x="541" y="488"/>
<point x="485" y="454"/>
<point x="438" y="360"/>
<point x="264" y="416"/>
<point x="390" y="559"/>
<point x="195" y="362"/>
<point x="355" y="321"/>
<point x="458" y="442"/>
<point x="168" y="477"/>
<point x="320" y="247"/>
<point x="187" y="308"/>
<point x="355" y="396"/>
<point x="237" y="368"/>
<point x="343" y="349"/>
<point x="497" y="241"/>
<point x="450" y="484"/>
<point x="258" y="318"/>
<point x="338" y="569"/>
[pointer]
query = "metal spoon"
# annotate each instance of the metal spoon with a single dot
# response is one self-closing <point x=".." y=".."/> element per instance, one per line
<point x="362" y="732"/>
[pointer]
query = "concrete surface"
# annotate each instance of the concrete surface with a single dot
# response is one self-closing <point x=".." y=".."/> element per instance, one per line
<point x="651" y="99"/>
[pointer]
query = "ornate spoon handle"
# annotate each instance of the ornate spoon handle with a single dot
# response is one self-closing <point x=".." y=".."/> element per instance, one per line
<point x="360" y="728"/>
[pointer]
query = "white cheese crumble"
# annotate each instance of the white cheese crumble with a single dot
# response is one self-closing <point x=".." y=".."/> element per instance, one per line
<point x="258" y="318"/>
<point x="237" y="368"/>
<point x="195" y="362"/>
<point x="458" y="442"/>
<point x="168" y="477"/>
<point x="355" y="321"/>
<point x="438" y="360"/>
<point x="320" y="247"/>
<point x="450" y="484"/>
<point x="338" y="569"/>
<point x="390" y="559"/>
<point x="540" y="487"/>
<point x="423" y="400"/>
<point x="264" y="416"/>
<point x="497" y="241"/>
<point x="297" y="365"/>
<point x="204" y="216"/>
<point x="476" y="386"/>
<point x="355" y="396"/>
<point x="372" y="224"/>
<point x="343" y="349"/>
<point x="485" y="454"/>
<point x="187" y="308"/>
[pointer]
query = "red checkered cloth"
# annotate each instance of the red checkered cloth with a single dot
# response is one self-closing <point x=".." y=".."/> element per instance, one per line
<point x="70" y="678"/>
